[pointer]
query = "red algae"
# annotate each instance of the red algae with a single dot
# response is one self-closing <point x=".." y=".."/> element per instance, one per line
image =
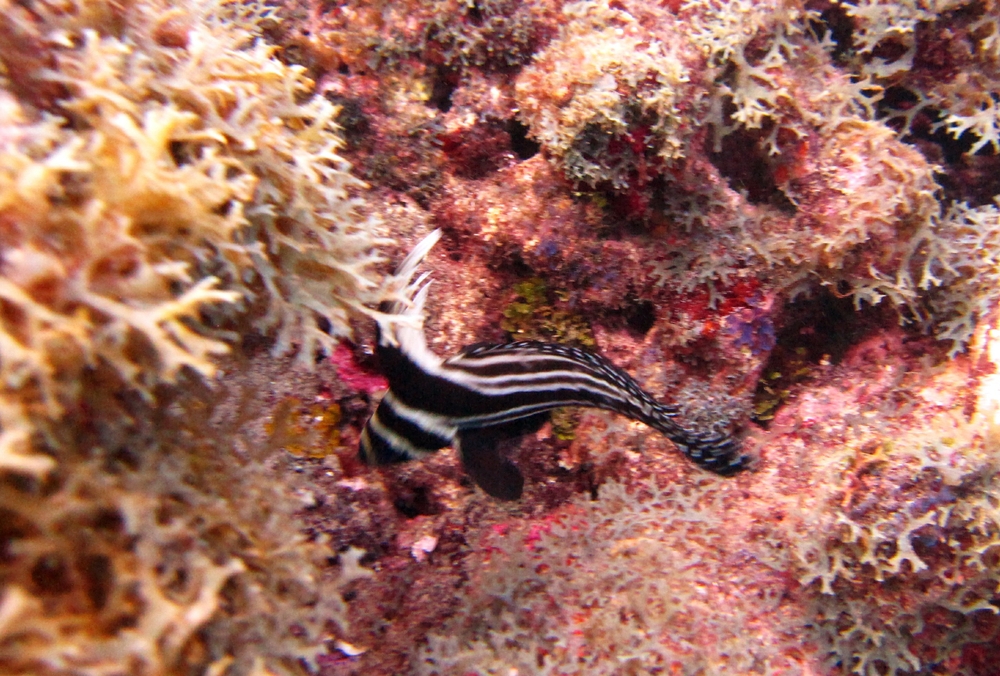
<point x="354" y="375"/>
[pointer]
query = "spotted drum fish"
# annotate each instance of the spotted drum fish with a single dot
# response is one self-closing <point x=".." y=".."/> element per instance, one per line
<point x="489" y="393"/>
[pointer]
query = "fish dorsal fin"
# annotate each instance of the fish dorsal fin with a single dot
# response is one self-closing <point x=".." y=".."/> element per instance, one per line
<point x="496" y="475"/>
<point x="400" y="315"/>
<point x="475" y="349"/>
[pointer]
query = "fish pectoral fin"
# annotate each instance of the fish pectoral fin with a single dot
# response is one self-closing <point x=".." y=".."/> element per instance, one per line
<point x="496" y="475"/>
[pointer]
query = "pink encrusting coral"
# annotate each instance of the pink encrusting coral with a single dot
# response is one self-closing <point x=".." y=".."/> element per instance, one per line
<point x="781" y="215"/>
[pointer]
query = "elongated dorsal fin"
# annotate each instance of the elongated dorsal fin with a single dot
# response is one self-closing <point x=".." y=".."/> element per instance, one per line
<point x="403" y="297"/>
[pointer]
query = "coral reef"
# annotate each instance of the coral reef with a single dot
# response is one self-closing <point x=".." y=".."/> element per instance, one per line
<point x="620" y="583"/>
<point x="183" y="176"/>
<point x="608" y="96"/>
<point x="778" y="215"/>
<point x="906" y="573"/>
<point x="880" y="553"/>
<point x="969" y="289"/>
<point x="735" y="169"/>
<point x="167" y="186"/>
<point x="531" y="316"/>
<point x="940" y="61"/>
<point x="167" y="545"/>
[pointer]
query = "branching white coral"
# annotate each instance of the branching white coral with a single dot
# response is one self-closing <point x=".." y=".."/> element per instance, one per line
<point x="967" y="100"/>
<point x="970" y="272"/>
<point x="191" y="173"/>
<point x="605" y="66"/>
<point x="882" y="569"/>
<point x="615" y="585"/>
<point x="758" y="87"/>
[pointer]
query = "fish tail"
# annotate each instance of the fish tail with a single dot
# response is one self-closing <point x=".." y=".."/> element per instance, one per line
<point x="718" y="452"/>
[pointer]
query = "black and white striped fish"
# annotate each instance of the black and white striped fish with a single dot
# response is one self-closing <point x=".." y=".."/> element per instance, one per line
<point x="488" y="393"/>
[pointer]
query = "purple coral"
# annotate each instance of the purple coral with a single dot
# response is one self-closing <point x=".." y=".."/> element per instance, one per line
<point x="752" y="327"/>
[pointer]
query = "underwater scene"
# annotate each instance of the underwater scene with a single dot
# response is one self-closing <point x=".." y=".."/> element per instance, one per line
<point x="499" y="337"/>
